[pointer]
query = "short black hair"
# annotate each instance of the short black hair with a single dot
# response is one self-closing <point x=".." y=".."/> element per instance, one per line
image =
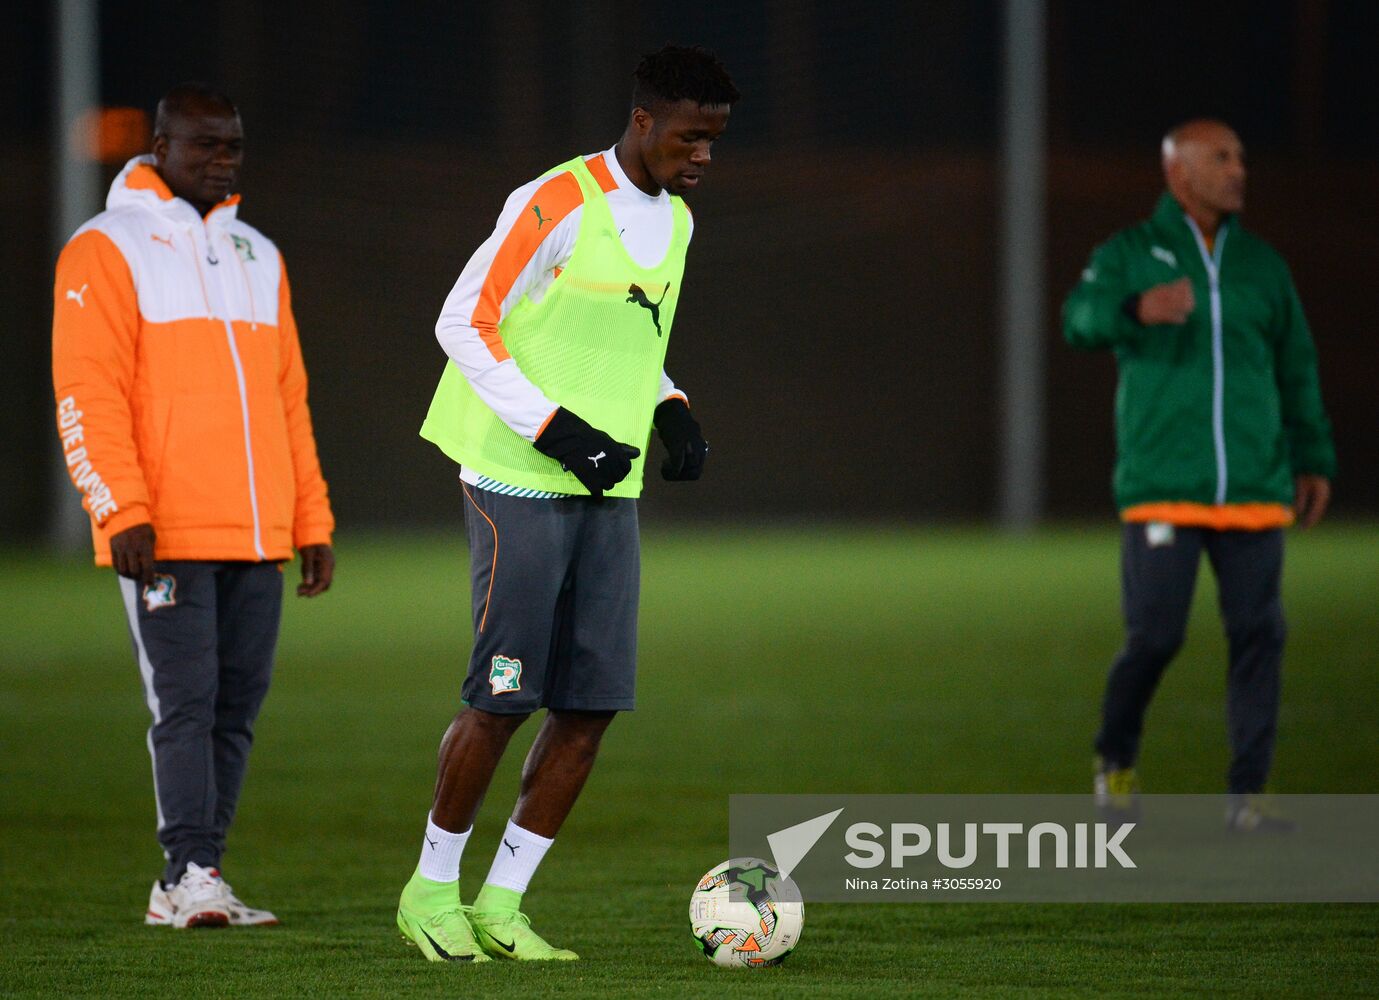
<point x="677" y="73"/>
<point x="186" y="98"/>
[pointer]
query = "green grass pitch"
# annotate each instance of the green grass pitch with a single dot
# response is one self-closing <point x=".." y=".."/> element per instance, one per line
<point x="822" y="659"/>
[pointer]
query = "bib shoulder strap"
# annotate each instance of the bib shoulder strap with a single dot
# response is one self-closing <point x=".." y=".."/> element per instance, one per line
<point x="562" y="167"/>
<point x="680" y="216"/>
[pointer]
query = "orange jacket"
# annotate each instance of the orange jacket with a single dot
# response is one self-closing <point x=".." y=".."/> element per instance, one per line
<point x="181" y="392"/>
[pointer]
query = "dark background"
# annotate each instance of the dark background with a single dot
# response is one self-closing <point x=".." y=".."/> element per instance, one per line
<point x="839" y="334"/>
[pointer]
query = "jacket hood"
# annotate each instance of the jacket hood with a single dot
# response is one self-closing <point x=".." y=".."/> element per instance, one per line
<point x="140" y="185"/>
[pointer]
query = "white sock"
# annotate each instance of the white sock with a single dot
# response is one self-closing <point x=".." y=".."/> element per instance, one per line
<point x="440" y="853"/>
<point x="518" y="855"/>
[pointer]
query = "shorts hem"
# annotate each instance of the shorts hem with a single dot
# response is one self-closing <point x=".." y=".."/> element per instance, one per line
<point x="595" y="705"/>
<point x="496" y="706"/>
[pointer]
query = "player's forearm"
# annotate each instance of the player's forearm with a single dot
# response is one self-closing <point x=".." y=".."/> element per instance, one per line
<point x="512" y="396"/>
<point x="669" y="390"/>
<point x="491" y="372"/>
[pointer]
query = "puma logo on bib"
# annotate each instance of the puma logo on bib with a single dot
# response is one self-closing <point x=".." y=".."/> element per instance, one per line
<point x="635" y="294"/>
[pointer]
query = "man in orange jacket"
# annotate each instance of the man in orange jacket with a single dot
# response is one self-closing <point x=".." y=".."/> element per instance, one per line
<point x="181" y="402"/>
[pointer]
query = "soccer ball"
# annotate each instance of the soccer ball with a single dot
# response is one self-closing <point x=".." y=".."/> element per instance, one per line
<point x="757" y="931"/>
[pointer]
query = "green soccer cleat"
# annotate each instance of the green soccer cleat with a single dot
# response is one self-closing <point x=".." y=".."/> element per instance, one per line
<point x="504" y="931"/>
<point x="1116" y="791"/>
<point x="430" y="916"/>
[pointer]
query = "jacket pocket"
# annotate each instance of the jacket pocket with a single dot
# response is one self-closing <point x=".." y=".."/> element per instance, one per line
<point x="204" y="479"/>
<point x="153" y="447"/>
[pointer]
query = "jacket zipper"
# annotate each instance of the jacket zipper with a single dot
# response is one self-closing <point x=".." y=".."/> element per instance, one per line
<point x="1212" y="262"/>
<point x="243" y="407"/>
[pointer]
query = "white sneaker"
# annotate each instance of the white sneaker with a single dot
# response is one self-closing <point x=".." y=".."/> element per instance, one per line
<point x="198" y="899"/>
<point x="1256" y="814"/>
<point x="162" y="912"/>
<point x="245" y="916"/>
<point x="160" y="909"/>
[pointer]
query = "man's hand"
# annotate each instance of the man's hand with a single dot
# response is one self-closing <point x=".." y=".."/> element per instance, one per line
<point x="318" y="569"/>
<point x="1311" y="495"/>
<point x="685" y="444"/>
<point x="1169" y="304"/>
<point x="595" y="459"/>
<point x="131" y="552"/>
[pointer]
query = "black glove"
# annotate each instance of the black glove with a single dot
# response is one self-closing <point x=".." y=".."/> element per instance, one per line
<point x="685" y="445"/>
<point x="595" y="459"/>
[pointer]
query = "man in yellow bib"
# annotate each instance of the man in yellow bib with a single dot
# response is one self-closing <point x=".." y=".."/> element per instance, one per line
<point x="556" y="335"/>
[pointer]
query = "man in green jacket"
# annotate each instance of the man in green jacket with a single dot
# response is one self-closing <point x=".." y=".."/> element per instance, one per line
<point x="1221" y="442"/>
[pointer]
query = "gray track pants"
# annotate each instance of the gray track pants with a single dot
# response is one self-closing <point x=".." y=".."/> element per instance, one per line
<point x="204" y="638"/>
<point x="1157" y="580"/>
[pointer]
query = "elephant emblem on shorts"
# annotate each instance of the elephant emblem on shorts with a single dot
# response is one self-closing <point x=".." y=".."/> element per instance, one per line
<point x="505" y="675"/>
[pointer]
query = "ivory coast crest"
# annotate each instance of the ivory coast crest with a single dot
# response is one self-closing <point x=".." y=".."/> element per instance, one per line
<point x="162" y="593"/>
<point x="505" y="675"/>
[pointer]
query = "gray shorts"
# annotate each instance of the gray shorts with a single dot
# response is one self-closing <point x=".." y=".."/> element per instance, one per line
<point x="555" y="589"/>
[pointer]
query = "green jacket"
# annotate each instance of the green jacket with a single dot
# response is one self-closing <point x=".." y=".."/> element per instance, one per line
<point x="1226" y="408"/>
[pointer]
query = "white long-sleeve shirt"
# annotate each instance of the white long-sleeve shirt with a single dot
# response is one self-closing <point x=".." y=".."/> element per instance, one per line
<point x="517" y="262"/>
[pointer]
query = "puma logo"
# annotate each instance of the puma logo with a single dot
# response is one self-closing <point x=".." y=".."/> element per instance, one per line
<point x="635" y="294"/>
<point x="429" y="841"/>
<point x="540" y="219"/>
<point x="76" y="296"/>
<point x="595" y="458"/>
<point x="511" y="847"/>
<point x="165" y="240"/>
<point x="1159" y="253"/>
